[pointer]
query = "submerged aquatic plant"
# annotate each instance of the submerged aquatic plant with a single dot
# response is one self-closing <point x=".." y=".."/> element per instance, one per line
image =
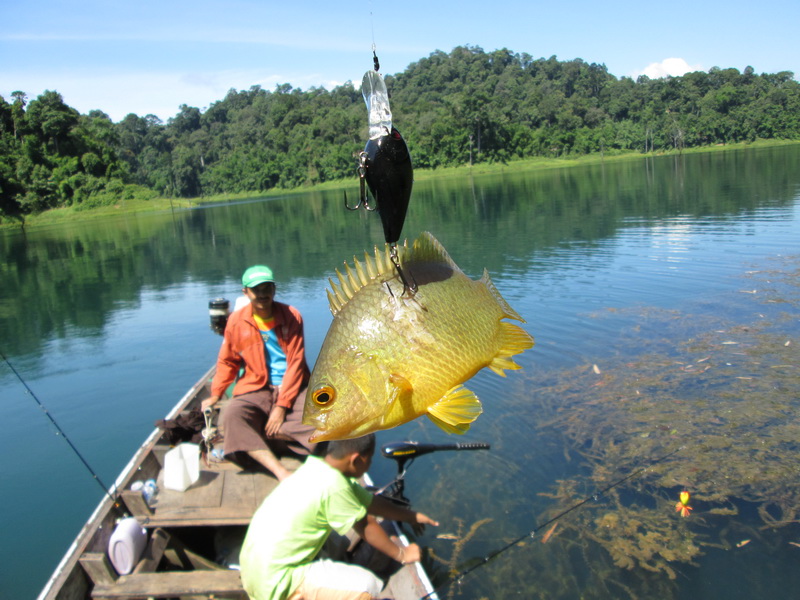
<point x="460" y="538"/>
<point x="727" y="398"/>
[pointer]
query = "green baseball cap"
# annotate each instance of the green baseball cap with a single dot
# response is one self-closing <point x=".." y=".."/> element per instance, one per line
<point x="257" y="275"/>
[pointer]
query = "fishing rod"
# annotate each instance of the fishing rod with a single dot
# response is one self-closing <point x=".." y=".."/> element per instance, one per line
<point x="59" y="431"/>
<point x="530" y="534"/>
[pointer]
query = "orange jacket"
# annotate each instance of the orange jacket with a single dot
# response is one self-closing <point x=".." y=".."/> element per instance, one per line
<point x="243" y="346"/>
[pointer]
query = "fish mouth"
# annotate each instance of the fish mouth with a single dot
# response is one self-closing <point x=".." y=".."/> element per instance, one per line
<point x="321" y="436"/>
<point x="343" y="432"/>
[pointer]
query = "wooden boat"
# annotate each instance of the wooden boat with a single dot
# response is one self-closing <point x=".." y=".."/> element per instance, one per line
<point x="180" y="559"/>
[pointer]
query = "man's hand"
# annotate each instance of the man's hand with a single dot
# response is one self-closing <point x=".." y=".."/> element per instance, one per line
<point x="410" y="554"/>
<point x="421" y="519"/>
<point x="276" y="418"/>
<point x="209" y="402"/>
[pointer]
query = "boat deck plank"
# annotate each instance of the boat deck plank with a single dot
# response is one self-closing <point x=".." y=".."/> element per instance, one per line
<point x="223" y="495"/>
<point x="224" y="583"/>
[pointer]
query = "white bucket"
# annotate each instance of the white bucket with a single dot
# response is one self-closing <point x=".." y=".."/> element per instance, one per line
<point x="181" y="467"/>
<point x="126" y="545"/>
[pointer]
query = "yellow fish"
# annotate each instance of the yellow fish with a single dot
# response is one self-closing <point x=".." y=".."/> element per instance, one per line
<point x="391" y="356"/>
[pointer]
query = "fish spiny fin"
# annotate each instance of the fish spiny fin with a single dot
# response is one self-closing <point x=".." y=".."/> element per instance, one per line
<point x="427" y="248"/>
<point x="336" y="299"/>
<point x="369" y="262"/>
<point x="333" y="303"/>
<point x="386" y="260"/>
<point x="362" y="276"/>
<point x="457" y="409"/>
<point x="504" y="306"/>
<point x="355" y="284"/>
<point x="359" y="276"/>
<point x="344" y="284"/>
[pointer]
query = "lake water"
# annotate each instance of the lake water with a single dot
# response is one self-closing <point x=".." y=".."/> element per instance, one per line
<point x="659" y="258"/>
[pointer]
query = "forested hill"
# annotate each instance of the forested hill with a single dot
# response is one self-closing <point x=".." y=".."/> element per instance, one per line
<point x="493" y="106"/>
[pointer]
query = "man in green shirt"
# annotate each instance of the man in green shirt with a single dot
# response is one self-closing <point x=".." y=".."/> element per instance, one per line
<point x="290" y="527"/>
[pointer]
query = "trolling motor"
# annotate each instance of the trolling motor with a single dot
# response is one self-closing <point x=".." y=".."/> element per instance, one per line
<point x="406" y="452"/>
<point x="218" y="311"/>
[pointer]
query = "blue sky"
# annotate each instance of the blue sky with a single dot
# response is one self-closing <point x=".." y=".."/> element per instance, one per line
<point x="151" y="57"/>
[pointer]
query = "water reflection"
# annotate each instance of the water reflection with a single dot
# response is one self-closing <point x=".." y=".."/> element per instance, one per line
<point x="108" y="322"/>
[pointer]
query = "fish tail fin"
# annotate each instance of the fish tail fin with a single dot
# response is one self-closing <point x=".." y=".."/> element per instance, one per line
<point x="504" y="306"/>
<point x="457" y="409"/>
<point x="513" y="340"/>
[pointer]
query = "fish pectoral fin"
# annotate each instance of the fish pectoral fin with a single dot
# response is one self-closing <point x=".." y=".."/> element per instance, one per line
<point x="399" y="406"/>
<point x="400" y="390"/>
<point x="460" y="429"/>
<point x="457" y="409"/>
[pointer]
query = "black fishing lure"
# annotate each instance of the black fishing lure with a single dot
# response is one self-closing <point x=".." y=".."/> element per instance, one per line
<point x="389" y="176"/>
<point x="384" y="166"/>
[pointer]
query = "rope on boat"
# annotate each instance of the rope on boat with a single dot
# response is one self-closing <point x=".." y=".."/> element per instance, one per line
<point x="458" y="577"/>
<point x="59" y="431"/>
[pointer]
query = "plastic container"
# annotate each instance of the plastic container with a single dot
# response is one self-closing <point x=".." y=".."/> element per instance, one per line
<point x="126" y="545"/>
<point x="181" y="467"/>
<point x="149" y="490"/>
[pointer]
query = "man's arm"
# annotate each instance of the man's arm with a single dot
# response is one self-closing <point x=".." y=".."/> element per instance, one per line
<point x="228" y="364"/>
<point x="389" y="510"/>
<point x="295" y="349"/>
<point x="371" y="531"/>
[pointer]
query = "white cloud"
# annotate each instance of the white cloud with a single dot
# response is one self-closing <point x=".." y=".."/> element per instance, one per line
<point x="669" y="66"/>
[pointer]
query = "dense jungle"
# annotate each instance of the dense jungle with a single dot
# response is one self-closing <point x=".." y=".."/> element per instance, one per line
<point x="463" y="107"/>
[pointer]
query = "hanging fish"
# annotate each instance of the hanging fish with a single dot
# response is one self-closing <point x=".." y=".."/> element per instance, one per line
<point x="390" y="358"/>
<point x="385" y="163"/>
<point x="683" y="504"/>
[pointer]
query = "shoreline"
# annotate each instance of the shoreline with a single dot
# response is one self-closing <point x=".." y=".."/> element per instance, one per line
<point x="72" y="214"/>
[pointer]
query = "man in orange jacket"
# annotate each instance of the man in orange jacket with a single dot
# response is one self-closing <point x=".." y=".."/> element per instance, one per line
<point x="265" y="338"/>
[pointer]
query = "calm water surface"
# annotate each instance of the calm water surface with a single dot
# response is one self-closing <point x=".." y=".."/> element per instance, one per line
<point x="107" y="323"/>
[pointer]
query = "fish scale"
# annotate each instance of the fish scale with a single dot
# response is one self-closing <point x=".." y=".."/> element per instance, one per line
<point x="391" y="356"/>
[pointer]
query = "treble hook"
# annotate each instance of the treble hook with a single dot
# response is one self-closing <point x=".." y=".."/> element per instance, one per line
<point x="363" y="198"/>
<point x="407" y="287"/>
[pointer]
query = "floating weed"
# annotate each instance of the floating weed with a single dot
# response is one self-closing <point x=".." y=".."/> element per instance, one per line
<point x="726" y="394"/>
<point x="459" y="539"/>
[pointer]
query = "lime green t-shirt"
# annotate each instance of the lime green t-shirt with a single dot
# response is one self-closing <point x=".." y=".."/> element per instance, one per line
<point x="291" y="526"/>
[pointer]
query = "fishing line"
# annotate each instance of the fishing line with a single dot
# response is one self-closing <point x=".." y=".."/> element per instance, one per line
<point x="59" y="431"/>
<point x="375" y="62"/>
<point x="492" y="555"/>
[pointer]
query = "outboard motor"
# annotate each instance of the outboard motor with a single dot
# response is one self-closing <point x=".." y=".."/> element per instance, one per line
<point x="406" y="452"/>
<point x="218" y="311"/>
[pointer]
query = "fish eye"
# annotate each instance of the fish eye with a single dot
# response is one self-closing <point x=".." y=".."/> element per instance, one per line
<point x="324" y="395"/>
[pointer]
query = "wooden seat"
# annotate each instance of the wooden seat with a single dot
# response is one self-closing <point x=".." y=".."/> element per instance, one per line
<point x="173" y="584"/>
<point x="202" y="579"/>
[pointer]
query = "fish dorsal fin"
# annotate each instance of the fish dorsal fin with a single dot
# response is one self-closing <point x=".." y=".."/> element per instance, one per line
<point x="360" y="275"/>
<point x="427" y="248"/>
<point x="504" y="306"/>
